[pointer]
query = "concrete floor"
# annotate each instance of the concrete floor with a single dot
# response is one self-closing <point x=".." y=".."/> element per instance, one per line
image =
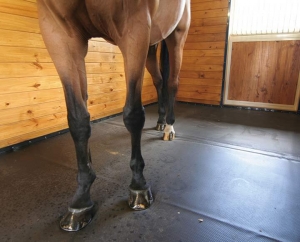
<point x="238" y="170"/>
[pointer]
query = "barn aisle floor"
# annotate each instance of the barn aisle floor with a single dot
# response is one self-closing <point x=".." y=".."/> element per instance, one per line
<point x="237" y="170"/>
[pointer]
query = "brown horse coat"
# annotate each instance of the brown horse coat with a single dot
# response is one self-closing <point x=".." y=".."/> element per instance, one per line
<point x="136" y="26"/>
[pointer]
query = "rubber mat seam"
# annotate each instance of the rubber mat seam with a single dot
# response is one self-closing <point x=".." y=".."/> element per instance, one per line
<point x="219" y="220"/>
<point x="224" y="145"/>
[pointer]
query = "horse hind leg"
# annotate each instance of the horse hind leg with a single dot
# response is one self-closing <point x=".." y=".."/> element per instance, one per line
<point x="153" y="68"/>
<point x="68" y="56"/>
<point x="175" y="43"/>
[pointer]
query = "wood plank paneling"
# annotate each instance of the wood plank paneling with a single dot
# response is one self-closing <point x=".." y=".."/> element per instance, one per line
<point x="217" y="21"/>
<point x="31" y="111"/>
<point x="204" y="61"/>
<point x="22" y="39"/>
<point x="15" y="100"/>
<point x="23" y="24"/>
<point x="31" y="96"/>
<point x="209" y="5"/>
<point x="202" y="53"/>
<point x="208" y="29"/>
<point x="33" y="134"/>
<point x="19" y="8"/>
<point x="199" y="75"/>
<point x="214" y="13"/>
<point x="195" y="38"/>
<point x="202" y="68"/>
<point x="272" y="76"/>
<point x="220" y="45"/>
<point x="30" y="55"/>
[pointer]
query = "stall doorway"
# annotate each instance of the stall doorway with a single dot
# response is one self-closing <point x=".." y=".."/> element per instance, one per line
<point x="263" y="54"/>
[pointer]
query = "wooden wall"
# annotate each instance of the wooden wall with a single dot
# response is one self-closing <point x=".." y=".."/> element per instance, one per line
<point x="202" y="68"/>
<point x="272" y="77"/>
<point x="31" y="96"/>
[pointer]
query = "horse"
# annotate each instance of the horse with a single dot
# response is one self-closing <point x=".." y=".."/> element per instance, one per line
<point x="136" y="27"/>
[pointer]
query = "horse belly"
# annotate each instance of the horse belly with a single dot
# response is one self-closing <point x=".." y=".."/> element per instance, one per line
<point x="165" y="19"/>
<point x="110" y="17"/>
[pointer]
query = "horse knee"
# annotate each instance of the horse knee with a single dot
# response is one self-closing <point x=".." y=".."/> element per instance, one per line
<point x="134" y="119"/>
<point x="79" y="126"/>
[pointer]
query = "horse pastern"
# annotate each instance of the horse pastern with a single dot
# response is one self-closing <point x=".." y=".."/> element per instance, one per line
<point x="160" y="126"/>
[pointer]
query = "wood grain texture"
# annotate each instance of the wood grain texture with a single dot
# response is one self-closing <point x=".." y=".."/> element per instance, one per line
<point x="31" y="96"/>
<point x="264" y="71"/>
<point x="202" y="68"/>
<point x="19" y="8"/>
<point x="209" y="5"/>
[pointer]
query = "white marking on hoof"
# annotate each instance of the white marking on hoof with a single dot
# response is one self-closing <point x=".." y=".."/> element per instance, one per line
<point x="169" y="133"/>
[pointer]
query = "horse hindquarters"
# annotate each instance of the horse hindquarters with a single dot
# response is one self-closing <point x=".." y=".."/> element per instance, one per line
<point x="67" y="48"/>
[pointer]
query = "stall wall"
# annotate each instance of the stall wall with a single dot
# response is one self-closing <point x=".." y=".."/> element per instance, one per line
<point x="202" y="68"/>
<point x="263" y="64"/>
<point x="31" y="96"/>
<point x="272" y="80"/>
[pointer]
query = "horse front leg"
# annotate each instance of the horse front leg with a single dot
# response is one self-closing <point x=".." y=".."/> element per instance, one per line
<point x="153" y="68"/>
<point x="82" y="208"/>
<point x="67" y="47"/>
<point x="140" y="196"/>
<point x="134" y="48"/>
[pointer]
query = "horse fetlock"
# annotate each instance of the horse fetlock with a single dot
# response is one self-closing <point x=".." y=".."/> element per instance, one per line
<point x="82" y="198"/>
<point x="86" y="179"/>
<point x="138" y="182"/>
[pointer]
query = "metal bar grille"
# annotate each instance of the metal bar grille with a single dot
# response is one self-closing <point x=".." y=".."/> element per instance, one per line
<point x="265" y="17"/>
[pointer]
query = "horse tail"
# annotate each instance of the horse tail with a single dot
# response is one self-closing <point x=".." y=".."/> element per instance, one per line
<point x="165" y="69"/>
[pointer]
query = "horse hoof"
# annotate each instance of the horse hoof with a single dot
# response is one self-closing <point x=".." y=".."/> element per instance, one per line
<point x="76" y="219"/>
<point x="160" y="127"/>
<point x="140" y="199"/>
<point x="169" y="136"/>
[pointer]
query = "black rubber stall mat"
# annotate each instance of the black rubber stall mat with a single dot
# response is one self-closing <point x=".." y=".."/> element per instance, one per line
<point x="221" y="179"/>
